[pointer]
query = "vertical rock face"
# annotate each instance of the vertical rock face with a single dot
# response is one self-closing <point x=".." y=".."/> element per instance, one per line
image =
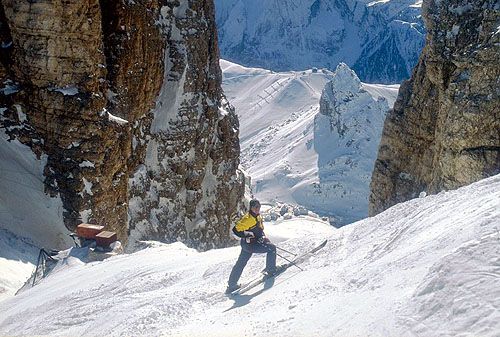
<point x="188" y="188"/>
<point x="59" y="72"/>
<point x="87" y="83"/>
<point x="444" y="131"/>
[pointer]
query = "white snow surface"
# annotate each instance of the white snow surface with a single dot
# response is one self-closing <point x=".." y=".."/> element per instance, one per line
<point x="21" y="185"/>
<point x="276" y="113"/>
<point x="67" y="91"/>
<point x="29" y="218"/>
<point x="17" y="262"/>
<point x="291" y="151"/>
<point x="117" y="119"/>
<point x="427" y="267"/>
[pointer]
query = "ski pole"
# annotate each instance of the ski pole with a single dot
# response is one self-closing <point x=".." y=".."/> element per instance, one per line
<point x="286" y="251"/>
<point x="291" y="262"/>
<point x="284" y="258"/>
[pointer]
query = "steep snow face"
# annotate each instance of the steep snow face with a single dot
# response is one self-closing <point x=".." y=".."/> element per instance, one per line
<point x="347" y="133"/>
<point x="427" y="267"/>
<point x="29" y="218"/>
<point x="17" y="262"/>
<point x="294" y="153"/>
<point x="381" y="40"/>
<point x="25" y="209"/>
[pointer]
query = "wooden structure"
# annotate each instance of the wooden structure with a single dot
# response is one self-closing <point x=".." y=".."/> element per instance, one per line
<point x="105" y="238"/>
<point x="89" y="232"/>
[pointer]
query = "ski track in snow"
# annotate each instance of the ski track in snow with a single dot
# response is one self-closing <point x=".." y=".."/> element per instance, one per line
<point x="276" y="113"/>
<point x="427" y="267"/>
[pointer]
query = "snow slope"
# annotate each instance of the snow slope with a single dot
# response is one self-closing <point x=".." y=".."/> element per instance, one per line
<point x="289" y="148"/>
<point x="24" y="230"/>
<point x="21" y="184"/>
<point x="276" y="113"/>
<point x="427" y="267"/>
<point x="17" y="262"/>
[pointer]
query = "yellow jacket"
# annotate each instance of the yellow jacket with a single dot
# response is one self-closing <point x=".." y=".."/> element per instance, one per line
<point x="250" y="223"/>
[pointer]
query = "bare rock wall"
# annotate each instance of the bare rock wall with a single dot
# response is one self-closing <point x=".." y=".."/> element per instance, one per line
<point x="82" y="83"/>
<point x="444" y="130"/>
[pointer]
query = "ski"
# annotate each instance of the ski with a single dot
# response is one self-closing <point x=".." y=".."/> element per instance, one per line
<point x="261" y="279"/>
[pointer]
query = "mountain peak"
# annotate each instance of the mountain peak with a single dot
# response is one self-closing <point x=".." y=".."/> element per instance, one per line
<point x="345" y="79"/>
<point x="347" y="132"/>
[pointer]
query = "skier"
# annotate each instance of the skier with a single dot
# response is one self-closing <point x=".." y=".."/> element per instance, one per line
<point x="253" y="240"/>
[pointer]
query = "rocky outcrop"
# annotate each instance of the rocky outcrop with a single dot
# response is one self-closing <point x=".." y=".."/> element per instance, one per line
<point x="189" y="189"/>
<point x="444" y="131"/>
<point x="347" y="133"/>
<point x="86" y="82"/>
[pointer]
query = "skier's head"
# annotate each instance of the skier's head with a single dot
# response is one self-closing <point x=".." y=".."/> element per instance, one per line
<point x="255" y="206"/>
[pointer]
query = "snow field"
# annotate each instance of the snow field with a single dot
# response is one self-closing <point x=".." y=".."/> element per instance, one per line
<point x="22" y="184"/>
<point x="17" y="262"/>
<point x="25" y="208"/>
<point x="427" y="267"/>
<point x="276" y="113"/>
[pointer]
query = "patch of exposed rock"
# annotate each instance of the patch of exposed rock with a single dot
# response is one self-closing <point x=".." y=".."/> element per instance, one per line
<point x="444" y="131"/>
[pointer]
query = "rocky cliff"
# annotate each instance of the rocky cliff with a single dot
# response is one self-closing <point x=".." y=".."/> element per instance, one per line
<point x="189" y="187"/>
<point x="444" y="131"/>
<point x="113" y="90"/>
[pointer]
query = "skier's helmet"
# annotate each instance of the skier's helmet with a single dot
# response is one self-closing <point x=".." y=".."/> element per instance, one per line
<point x="254" y="203"/>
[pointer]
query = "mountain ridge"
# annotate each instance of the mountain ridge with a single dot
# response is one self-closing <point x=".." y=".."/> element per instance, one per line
<point x="291" y="35"/>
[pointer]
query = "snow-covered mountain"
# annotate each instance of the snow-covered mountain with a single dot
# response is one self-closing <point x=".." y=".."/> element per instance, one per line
<point x="380" y="40"/>
<point x="276" y="113"/>
<point x="427" y="267"/>
<point x="301" y="153"/>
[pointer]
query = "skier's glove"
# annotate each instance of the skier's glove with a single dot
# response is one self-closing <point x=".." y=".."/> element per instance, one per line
<point x="249" y="236"/>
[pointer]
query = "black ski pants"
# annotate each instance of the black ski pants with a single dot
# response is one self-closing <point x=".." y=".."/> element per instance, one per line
<point x="247" y="249"/>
